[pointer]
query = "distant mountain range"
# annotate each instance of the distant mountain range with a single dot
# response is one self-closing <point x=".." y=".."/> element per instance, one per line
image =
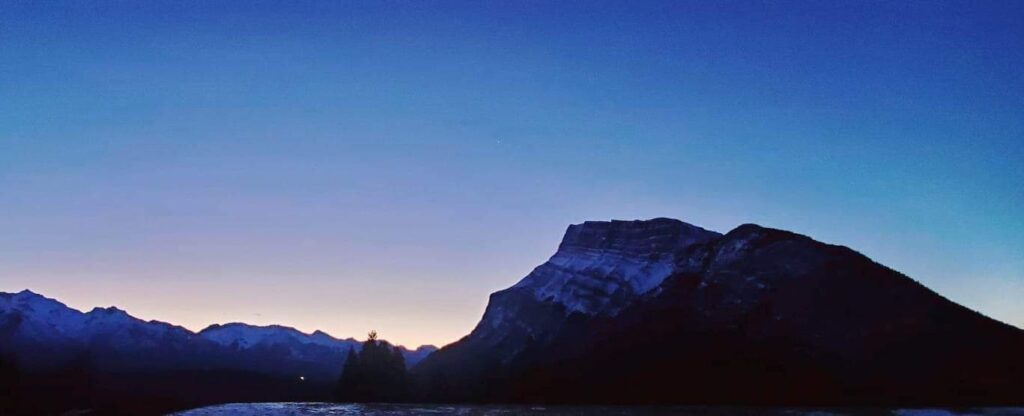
<point x="108" y="354"/>
<point x="661" y="311"/>
<point x="625" y="312"/>
<point x="45" y="334"/>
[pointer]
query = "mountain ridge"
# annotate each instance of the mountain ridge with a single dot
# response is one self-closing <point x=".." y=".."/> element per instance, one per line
<point x="112" y="362"/>
<point x="28" y="294"/>
<point x="42" y="335"/>
<point x="736" y="313"/>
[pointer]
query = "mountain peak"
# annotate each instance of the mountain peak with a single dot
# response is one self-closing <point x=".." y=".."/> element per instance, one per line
<point x="29" y="296"/>
<point x="113" y="316"/>
<point x="28" y="293"/>
<point x="750" y="230"/>
<point x="243" y="325"/>
<point x="634" y="235"/>
<point x="323" y="336"/>
<point x="32" y="301"/>
<point x="109" y="310"/>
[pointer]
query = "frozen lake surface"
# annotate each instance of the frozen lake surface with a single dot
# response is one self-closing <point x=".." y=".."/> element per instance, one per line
<point x="288" y="409"/>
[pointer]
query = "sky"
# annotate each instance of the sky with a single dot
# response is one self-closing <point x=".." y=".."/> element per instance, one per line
<point x="358" y="165"/>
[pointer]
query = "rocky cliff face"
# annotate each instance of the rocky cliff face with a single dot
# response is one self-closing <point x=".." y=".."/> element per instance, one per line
<point x="599" y="269"/>
<point x="661" y="311"/>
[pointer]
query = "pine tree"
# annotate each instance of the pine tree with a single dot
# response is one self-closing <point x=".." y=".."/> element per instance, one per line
<point x="349" y="377"/>
<point x="376" y="374"/>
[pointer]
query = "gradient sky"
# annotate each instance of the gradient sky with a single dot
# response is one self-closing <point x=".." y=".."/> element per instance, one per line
<point x="349" y="166"/>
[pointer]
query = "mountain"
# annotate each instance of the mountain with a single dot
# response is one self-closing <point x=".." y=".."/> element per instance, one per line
<point x="599" y="269"/>
<point x="44" y="334"/>
<point x="660" y="311"/>
<point x="106" y="354"/>
<point x="32" y="322"/>
<point x="279" y="349"/>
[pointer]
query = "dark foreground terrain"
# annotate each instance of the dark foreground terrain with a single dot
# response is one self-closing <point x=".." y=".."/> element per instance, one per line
<point x="282" y="409"/>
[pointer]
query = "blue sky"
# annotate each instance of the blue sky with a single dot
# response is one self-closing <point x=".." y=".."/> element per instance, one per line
<point x="269" y="162"/>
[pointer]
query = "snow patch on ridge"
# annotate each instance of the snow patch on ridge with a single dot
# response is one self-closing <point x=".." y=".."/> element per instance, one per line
<point x="601" y="266"/>
<point x="588" y="281"/>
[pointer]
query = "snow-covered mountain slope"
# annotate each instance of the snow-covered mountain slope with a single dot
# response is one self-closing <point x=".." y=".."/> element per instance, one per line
<point x="600" y="268"/>
<point x="54" y="333"/>
<point x="42" y="317"/>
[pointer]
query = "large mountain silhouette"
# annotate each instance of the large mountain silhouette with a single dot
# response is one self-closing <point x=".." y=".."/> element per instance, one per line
<point x="661" y="311"/>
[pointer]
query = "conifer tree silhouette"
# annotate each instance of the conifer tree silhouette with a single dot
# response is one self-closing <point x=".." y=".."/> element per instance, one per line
<point x="374" y="374"/>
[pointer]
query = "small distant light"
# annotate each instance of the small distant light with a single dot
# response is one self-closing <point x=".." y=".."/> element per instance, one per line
<point x="303" y="378"/>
